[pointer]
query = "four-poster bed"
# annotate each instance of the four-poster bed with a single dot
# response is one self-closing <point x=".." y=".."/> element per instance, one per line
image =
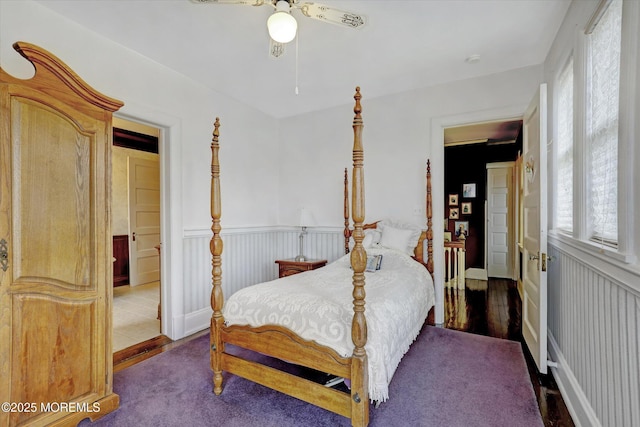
<point x="333" y="336"/>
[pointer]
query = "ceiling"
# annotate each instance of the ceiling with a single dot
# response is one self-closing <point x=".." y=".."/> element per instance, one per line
<point x="405" y="44"/>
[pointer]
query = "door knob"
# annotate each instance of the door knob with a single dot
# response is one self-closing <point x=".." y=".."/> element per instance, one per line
<point x="544" y="258"/>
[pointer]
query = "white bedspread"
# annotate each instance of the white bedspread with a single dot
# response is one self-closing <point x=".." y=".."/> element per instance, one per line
<point x="318" y="305"/>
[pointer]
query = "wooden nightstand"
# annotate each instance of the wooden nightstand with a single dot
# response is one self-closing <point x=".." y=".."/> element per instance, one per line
<point x="287" y="267"/>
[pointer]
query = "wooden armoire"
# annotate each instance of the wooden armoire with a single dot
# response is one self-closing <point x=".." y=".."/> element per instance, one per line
<point x="56" y="271"/>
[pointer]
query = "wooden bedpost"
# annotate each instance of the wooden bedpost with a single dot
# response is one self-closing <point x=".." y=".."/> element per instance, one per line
<point x="429" y="222"/>
<point x="347" y="232"/>
<point x="215" y="246"/>
<point x="359" y="369"/>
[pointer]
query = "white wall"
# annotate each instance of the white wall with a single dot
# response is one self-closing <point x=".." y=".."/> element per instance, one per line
<point x="397" y="143"/>
<point x="185" y="111"/>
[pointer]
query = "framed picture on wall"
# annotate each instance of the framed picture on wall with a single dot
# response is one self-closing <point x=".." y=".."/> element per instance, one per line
<point x="453" y="200"/>
<point x="462" y="227"/>
<point x="454" y="213"/>
<point x="469" y="191"/>
<point x="466" y="208"/>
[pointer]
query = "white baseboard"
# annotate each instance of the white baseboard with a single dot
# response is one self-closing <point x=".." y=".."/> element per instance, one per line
<point x="197" y="321"/>
<point x="577" y="402"/>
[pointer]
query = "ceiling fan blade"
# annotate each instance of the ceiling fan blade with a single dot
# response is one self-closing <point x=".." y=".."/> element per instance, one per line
<point x="332" y="15"/>
<point x="276" y="50"/>
<point x="245" y="2"/>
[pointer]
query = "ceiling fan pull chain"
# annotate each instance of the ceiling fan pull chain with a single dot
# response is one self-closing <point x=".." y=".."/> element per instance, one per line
<point x="297" y="38"/>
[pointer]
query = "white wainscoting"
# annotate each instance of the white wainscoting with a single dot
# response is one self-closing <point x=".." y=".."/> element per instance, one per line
<point x="248" y="257"/>
<point x="594" y="334"/>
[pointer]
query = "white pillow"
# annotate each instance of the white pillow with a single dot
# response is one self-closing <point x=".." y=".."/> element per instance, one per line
<point x="371" y="239"/>
<point x="374" y="236"/>
<point x="398" y="239"/>
<point x="398" y="235"/>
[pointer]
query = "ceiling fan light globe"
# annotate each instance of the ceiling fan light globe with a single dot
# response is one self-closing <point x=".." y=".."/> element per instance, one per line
<point x="282" y="27"/>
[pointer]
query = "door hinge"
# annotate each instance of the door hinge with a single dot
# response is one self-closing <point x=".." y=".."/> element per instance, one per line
<point x="4" y="255"/>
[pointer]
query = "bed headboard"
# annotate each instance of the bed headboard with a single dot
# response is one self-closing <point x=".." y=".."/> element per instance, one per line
<point x="425" y="235"/>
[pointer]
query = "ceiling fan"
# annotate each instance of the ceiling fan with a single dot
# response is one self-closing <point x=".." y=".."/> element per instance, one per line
<point x="282" y="26"/>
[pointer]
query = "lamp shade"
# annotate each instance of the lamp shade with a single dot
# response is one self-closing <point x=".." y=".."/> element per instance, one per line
<point x="306" y="218"/>
<point x="281" y="25"/>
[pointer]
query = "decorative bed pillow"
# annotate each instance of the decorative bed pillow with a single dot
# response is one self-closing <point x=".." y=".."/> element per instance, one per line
<point x="371" y="239"/>
<point x="400" y="236"/>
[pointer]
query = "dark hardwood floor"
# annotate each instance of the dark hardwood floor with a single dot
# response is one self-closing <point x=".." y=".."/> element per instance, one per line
<point x="494" y="309"/>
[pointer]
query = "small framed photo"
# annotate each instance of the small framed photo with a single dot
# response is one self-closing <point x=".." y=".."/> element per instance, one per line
<point x="454" y="213"/>
<point x="447" y="236"/>
<point x="453" y="200"/>
<point x="469" y="191"/>
<point x="462" y="227"/>
<point x="466" y="208"/>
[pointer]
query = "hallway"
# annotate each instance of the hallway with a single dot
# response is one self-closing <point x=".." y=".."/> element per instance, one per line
<point x="135" y="314"/>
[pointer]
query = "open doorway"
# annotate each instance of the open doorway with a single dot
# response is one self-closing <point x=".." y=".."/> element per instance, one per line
<point x="136" y="234"/>
<point x="469" y="149"/>
<point x="478" y="225"/>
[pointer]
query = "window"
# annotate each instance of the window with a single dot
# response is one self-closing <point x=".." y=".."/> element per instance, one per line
<point x="564" y="150"/>
<point x="601" y="130"/>
<point x="594" y="145"/>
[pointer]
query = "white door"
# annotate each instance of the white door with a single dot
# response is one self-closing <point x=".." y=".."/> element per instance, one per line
<point x="534" y="270"/>
<point x="144" y="220"/>
<point x="499" y="220"/>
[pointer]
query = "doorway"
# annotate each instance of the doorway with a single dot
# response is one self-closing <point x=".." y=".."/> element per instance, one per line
<point x="479" y="160"/>
<point x="469" y="150"/>
<point x="136" y="230"/>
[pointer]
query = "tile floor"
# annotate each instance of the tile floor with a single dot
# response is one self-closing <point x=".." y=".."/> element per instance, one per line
<point x="135" y="312"/>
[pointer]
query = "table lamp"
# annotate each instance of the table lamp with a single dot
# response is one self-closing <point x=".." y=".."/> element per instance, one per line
<point x="306" y="219"/>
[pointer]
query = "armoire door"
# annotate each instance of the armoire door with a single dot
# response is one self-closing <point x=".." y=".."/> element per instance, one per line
<point x="55" y="238"/>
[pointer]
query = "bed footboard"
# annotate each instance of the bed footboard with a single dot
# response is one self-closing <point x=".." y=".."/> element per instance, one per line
<point x="280" y="343"/>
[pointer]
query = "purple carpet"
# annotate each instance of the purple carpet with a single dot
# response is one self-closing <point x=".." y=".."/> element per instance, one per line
<point x="448" y="378"/>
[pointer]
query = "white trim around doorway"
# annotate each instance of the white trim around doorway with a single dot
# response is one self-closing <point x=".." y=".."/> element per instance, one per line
<point x="438" y="125"/>
<point x="170" y="219"/>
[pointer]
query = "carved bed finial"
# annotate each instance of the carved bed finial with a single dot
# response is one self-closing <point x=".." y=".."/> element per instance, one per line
<point x="357" y="108"/>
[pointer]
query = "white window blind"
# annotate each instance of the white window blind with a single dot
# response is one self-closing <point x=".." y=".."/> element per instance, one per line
<point x="603" y="83"/>
<point x="564" y="150"/>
